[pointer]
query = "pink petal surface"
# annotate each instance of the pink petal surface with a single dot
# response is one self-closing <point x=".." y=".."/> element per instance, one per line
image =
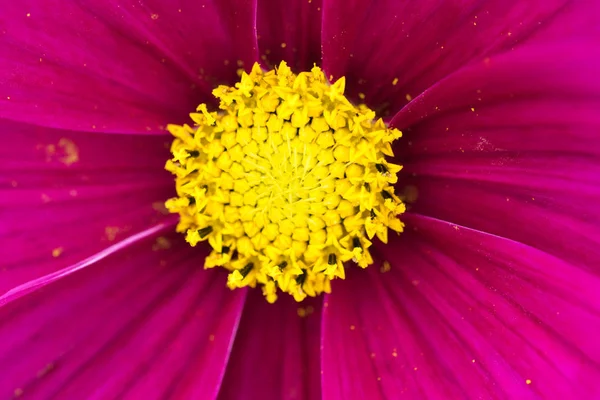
<point x="420" y="42"/>
<point x="149" y="63"/>
<point x="143" y="323"/>
<point x="66" y="195"/>
<point x="512" y="146"/>
<point x="276" y="351"/>
<point x="44" y="280"/>
<point x="290" y="31"/>
<point x="462" y="314"/>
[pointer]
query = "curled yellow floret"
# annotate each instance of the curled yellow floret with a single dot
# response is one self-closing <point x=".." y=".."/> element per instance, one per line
<point x="287" y="181"/>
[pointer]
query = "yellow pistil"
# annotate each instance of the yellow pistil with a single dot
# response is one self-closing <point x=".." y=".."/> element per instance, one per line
<point x="287" y="182"/>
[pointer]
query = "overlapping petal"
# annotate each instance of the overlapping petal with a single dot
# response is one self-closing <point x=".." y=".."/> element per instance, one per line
<point x="67" y="195"/>
<point x="462" y="314"/>
<point x="142" y="323"/>
<point x="276" y="351"/>
<point x="117" y="65"/>
<point x="510" y="146"/>
<point x="373" y="43"/>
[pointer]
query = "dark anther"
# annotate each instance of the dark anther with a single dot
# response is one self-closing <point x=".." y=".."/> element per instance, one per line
<point x="373" y="215"/>
<point x="332" y="259"/>
<point x="193" y="153"/>
<point x="192" y="172"/>
<point x="386" y="195"/>
<point x="282" y="265"/>
<point x="192" y="201"/>
<point x="381" y="168"/>
<point x="204" y="232"/>
<point x="246" y="270"/>
<point x="225" y="249"/>
<point x="356" y="243"/>
<point x="300" y="279"/>
<point x="234" y="255"/>
<point x="367" y="186"/>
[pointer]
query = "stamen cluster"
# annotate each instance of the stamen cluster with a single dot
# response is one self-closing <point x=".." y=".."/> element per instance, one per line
<point x="287" y="182"/>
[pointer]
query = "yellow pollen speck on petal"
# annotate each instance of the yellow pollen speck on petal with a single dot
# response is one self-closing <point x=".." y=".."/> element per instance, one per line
<point x="111" y="232"/>
<point x="57" y="252"/>
<point x="161" y="243"/>
<point x="528" y="381"/>
<point x="70" y="152"/>
<point x="395" y="81"/>
<point x="385" y="267"/>
<point x="283" y="45"/>
<point x="408" y="97"/>
<point x="45" y="370"/>
<point x="287" y="182"/>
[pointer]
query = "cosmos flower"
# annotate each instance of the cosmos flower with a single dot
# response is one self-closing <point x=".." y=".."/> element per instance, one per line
<point x="489" y="291"/>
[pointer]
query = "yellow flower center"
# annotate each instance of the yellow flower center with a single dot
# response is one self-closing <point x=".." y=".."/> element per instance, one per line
<point x="287" y="181"/>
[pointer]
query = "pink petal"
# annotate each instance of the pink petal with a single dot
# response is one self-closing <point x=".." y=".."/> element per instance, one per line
<point x="512" y="146"/>
<point x="421" y="42"/>
<point x="276" y="351"/>
<point x="148" y="64"/>
<point x="290" y="31"/>
<point x="462" y="314"/>
<point x="66" y="195"/>
<point x="140" y="324"/>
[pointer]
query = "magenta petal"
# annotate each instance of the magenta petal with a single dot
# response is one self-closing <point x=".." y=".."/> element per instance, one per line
<point x="148" y="64"/>
<point x="66" y="195"/>
<point x="140" y="324"/>
<point x="421" y="42"/>
<point x="512" y="146"/>
<point x="462" y="314"/>
<point x="276" y="351"/>
<point x="290" y="31"/>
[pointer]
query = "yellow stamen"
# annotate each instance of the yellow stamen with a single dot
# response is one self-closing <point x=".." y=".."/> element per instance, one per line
<point x="287" y="182"/>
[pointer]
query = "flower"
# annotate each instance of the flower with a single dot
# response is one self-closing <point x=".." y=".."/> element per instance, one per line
<point x="491" y="291"/>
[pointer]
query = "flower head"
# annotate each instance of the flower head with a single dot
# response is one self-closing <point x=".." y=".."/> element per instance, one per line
<point x="490" y="291"/>
<point x="287" y="183"/>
